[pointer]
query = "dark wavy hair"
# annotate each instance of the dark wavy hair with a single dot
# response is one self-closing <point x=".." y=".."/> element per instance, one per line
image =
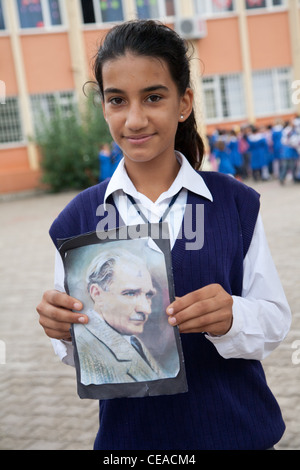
<point x="153" y="39"/>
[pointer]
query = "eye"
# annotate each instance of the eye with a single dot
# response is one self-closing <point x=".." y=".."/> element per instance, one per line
<point x="116" y="101"/>
<point x="130" y="293"/>
<point x="150" y="295"/>
<point x="154" y="98"/>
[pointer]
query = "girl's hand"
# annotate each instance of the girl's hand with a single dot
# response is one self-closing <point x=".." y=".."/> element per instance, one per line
<point x="206" y="310"/>
<point x="56" y="314"/>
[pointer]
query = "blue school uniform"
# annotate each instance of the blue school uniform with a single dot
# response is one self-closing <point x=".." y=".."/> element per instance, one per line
<point x="116" y="156"/>
<point x="225" y="163"/>
<point x="277" y="142"/>
<point x="228" y="404"/>
<point x="235" y="155"/>
<point x="105" y="166"/>
<point x="259" y="151"/>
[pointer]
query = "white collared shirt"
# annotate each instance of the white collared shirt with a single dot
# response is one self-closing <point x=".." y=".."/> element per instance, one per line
<point x="261" y="316"/>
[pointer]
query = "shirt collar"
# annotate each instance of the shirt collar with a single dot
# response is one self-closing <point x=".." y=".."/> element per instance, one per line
<point x="187" y="178"/>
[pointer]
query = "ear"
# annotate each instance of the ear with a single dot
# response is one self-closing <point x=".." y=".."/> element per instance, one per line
<point x="95" y="292"/>
<point x="186" y="104"/>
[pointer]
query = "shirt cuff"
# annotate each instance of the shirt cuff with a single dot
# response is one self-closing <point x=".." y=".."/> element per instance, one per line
<point x="227" y="345"/>
<point x="64" y="350"/>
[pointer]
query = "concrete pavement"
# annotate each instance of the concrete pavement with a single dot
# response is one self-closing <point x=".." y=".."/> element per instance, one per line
<point x="39" y="406"/>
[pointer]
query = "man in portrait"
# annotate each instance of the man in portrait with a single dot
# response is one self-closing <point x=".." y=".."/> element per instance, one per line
<point x="121" y="288"/>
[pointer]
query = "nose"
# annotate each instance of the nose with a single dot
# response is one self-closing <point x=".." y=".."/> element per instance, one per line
<point x="143" y="304"/>
<point x="136" y="117"/>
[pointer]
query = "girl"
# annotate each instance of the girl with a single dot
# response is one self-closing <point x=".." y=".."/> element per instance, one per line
<point x="230" y="307"/>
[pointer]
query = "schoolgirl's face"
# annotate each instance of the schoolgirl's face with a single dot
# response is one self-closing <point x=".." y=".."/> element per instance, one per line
<point x="142" y="107"/>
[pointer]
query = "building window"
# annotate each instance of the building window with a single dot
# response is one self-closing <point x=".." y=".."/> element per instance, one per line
<point x="10" y="121"/>
<point x="155" y="8"/>
<point x="272" y="91"/>
<point x="39" y="13"/>
<point x="102" y="11"/>
<point x="2" y="22"/>
<point x="224" y="97"/>
<point x="214" y="7"/>
<point x="252" y="4"/>
<point x="44" y="106"/>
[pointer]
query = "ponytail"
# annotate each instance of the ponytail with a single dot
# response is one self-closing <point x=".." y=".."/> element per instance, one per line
<point x="189" y="142"/>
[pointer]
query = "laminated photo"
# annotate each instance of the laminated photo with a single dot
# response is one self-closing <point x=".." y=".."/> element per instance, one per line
<point x="124" y="279"/>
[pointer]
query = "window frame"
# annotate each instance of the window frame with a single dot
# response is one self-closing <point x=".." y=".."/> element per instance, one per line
<point x="269" y="7"/>
<point x="98" y="15"/>
<point x="14" y="126"/>
<point x="47" y="27"/>
<point x="216" y="85"/>
<point x="2" y="8"/>
<point x="162" y="10"/>
<point x="46" y="103"/>
<point x="209" y="11"/>
<point x="278" y="74"/>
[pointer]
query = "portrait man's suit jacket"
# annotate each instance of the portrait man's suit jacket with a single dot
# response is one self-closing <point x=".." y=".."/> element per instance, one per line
<point x="105" y="356"/>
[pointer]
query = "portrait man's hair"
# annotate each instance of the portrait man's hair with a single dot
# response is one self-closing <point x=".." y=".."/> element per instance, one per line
<point x="102" y="268"/>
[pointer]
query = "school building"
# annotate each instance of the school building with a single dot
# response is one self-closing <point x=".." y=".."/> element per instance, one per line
<point x="247" y="58"/>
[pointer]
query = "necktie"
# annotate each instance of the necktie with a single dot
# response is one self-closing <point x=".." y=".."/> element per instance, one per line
<point x="137" y="345"/>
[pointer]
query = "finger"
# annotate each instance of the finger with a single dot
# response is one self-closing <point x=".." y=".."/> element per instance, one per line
<point x="198" y="311"/>
<point x="54" y="334"/>
<point x="62" y="299"/>
<point x="191" y="298"/>
<point x="49" y="324"/>
<point x="58" y="307"/>
<point x="214" y="323"/>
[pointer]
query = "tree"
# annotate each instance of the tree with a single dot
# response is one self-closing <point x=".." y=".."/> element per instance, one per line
<point x="69" y="142"/>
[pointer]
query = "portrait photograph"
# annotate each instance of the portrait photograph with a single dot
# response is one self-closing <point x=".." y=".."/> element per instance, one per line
<point x="127" y="348"/>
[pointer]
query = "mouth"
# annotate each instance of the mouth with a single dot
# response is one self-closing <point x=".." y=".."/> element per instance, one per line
<point x="138" y="317"/>
<point x="139" y="139"/>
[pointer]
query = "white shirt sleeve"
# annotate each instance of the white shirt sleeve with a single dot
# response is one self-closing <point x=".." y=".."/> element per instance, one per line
<point x="261" y="316"/>
<point x="63" y="349"/>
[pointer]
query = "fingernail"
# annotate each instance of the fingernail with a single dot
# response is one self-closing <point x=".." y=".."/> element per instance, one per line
<point x="170" y="311"/>
<point x="77" y="306"/>
<point x="172" y="321"/>
<point x="82" y="320"/>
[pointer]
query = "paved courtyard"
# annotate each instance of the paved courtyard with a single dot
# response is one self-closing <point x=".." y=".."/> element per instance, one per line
<point x="39" y="406"/>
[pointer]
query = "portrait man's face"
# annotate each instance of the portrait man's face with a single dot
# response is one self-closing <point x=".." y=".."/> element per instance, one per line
<point x="126" y="304"/>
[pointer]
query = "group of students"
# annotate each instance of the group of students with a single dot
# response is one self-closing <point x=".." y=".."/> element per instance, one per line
<point x="266" y="152"/>
<point x="109" y="158"/>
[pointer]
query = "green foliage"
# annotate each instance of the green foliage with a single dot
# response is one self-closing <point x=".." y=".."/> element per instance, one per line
<point x="70" y="143"/>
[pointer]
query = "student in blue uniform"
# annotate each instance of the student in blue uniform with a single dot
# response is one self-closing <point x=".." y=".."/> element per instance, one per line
<point x="230" y="308"/>
<point x="223" y="156"/>
<point x="105" y="165"/>
<point x="290" y="152"/>
<point x="259" y="151"/>
<point x="235" y="154"/>
<point x="116" y="156"/>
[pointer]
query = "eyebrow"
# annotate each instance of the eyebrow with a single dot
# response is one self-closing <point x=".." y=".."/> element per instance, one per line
<point x="138" y="291"/>
<point x="149" y="89"/>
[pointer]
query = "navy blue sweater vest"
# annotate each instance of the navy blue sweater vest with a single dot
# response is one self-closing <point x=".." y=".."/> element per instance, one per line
<point x="228" y="405"/>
